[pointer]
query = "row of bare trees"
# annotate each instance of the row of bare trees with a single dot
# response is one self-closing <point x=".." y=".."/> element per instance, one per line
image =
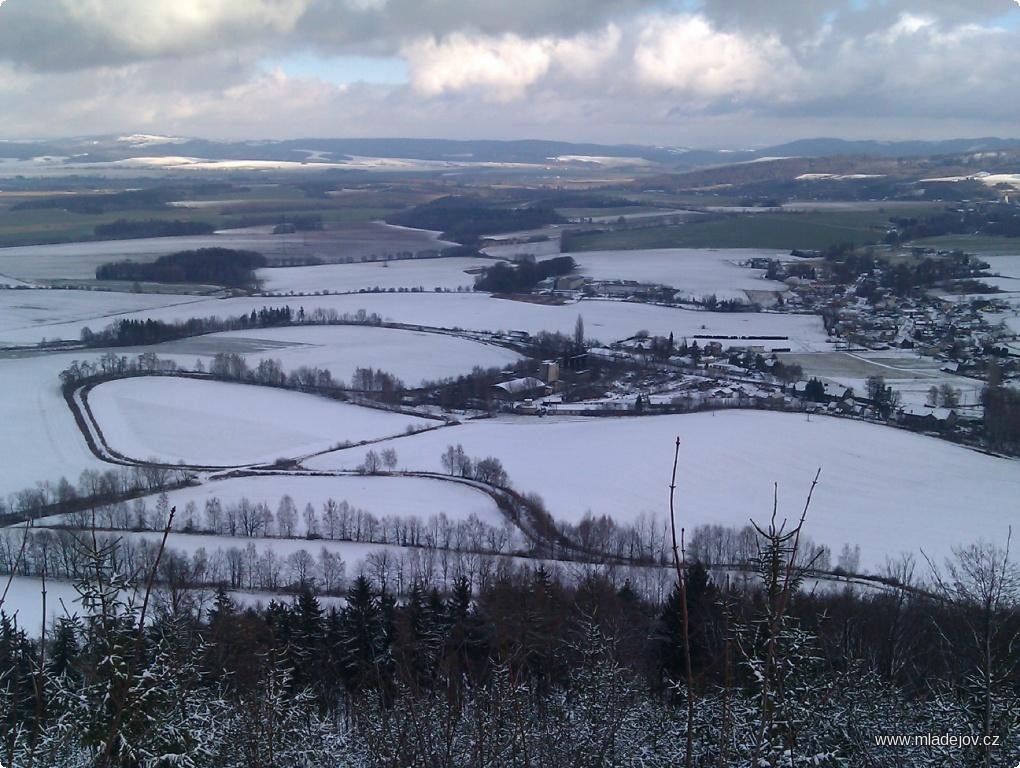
<point x="94" y="488"/>
<point x="566" y="668"/>
<point x="333" y="520"/>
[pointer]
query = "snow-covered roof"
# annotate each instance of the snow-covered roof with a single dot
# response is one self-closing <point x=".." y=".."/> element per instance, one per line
<point x="940" y="414"/>
<point x="516" y="386"/>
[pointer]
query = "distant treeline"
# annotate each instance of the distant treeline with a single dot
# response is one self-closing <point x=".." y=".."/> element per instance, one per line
<point x="221" y="266"/>
<point x="111" y="486"/>
<point x="125" y="333"/>
<point x="133" y="332"/>
<point x="127" y="200"/>
<point x="997" y="220"/>
<point x="522" y="276"/>
<point x="466" y="219"/>
<point x="122" y="229"/>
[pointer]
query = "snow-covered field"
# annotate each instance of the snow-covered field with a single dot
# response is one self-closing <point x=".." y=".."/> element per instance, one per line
<point x="405" y="496"/>
<point x="604" y="320"/>
<point x="540" y="250"/>
<point x="696" y="272"/>
<point x="24" y="603"/>
<point x="78" y="261"/>
<point x="1010" y="318"/>
<point x="61" y="314"/>
<point x="908" y="373"/>
<point x="888" y="490"/>
<point x="428" y="274"/>
<point x="215" y="423"/>
<point x="10" y="282"/>
<point x="39" y="439"/>
<point x="1003" y="264"/>
<point x="412" y="356"/>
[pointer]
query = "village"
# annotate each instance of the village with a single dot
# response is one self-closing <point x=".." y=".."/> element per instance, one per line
<point x="945" y="346"/>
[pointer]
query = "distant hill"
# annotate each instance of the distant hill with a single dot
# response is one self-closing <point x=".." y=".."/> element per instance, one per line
<point x="828" y="147"/>
<point x="113" y="148"/>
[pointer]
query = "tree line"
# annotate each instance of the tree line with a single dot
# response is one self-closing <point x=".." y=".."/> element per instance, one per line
<point x="522" y="276"/>
<point x="123" y="333"/>
<point x="525" y="668"/>
<point x="333" y="520"/>
<point x="997" y="219"/>
<point x="220" y="266"/>
<point x="93" y="488"/>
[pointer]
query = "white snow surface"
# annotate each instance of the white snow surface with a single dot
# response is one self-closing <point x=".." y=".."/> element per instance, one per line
<point x="695" y="271"/>
<point x="604" y="320"/>
<point x="1006" y="265"/>
<point x="540" y="249"/>
<point x="429" y="274"/>
<point x="11" y="282"/>
<point x="35" y="314"/>
<point x="412" y="356"/>
<point x="889" y="490"/>
<point x="222" y="424"/>
<point x="39" y="439"/>
<point x="24" y="602"/>
<point x="78" y="261"/>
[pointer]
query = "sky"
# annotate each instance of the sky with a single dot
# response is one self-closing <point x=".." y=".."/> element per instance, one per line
<point x="704" y="73"/>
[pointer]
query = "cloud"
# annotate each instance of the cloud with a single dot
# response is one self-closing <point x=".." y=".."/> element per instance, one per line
<point x="168" y="27"/>
<point x="502" y="68"/>
<point x="686" y="55"/>
<point x="50" y="35"/>
<point x="608" y="70"/>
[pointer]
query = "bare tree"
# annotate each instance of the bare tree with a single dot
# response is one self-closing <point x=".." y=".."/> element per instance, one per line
<point x="680" y="564"/>
<point x="332" y="568"/>
<point x="371" y="464"/>
<point x="302" y="567"/>
<point x="214" y="515"/>
<point x="981" y="587"/>
<point x="449" y="459"/>
<point x="311" y="521"/>
<point x="286" y="517"/>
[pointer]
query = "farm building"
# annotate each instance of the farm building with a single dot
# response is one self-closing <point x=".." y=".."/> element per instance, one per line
<point x="518" y="389"/>
<point x="924" y="417"/>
